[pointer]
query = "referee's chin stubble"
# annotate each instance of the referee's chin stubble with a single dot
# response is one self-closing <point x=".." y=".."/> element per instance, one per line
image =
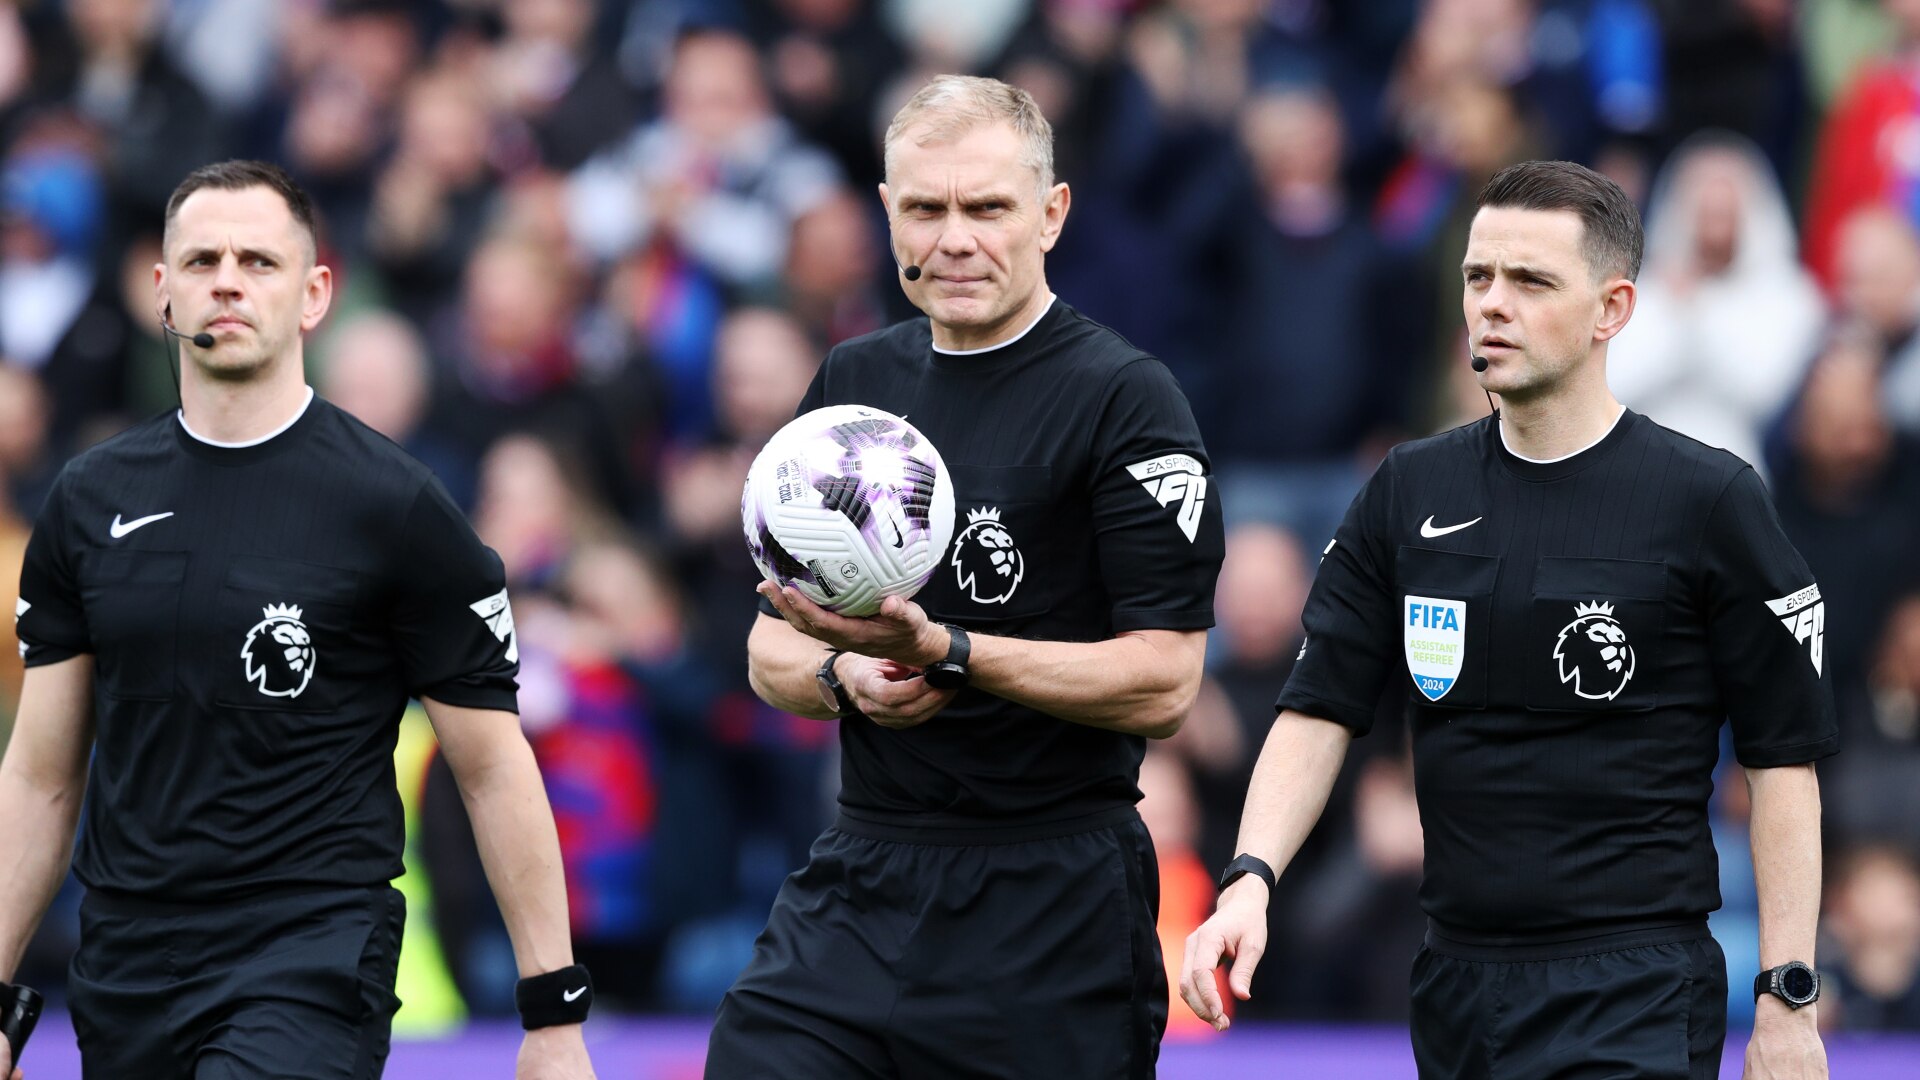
<point x="232" y="359"/>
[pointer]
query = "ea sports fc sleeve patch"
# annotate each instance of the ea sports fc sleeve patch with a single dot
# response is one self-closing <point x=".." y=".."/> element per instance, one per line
<point x="1157" y="527"/>
<point x="1766" y="629"/>
<point x="453" y="621"/>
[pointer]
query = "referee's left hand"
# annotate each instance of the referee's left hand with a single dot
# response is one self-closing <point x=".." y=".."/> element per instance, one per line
<point x="900" y="631"/>
<point x="1785" y="1044"/>
<point x="554" y="1053"/>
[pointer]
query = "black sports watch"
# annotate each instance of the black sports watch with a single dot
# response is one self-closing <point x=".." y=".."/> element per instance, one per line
<point x="1792" y="982"/>
<point x="832" y="694"/>
<point x="952" y="673"/>
<point x="1247" y="864"/>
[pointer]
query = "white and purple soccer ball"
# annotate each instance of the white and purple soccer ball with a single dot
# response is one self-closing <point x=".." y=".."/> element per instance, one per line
<point x="849" y="505"/>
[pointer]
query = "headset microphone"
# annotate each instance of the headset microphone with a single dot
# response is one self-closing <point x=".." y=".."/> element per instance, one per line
<point x="911" y="273"/>
<point x="201" y="340"/>
<point x="1479" y="362"/>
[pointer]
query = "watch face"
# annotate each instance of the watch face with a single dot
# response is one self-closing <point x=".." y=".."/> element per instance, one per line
<point x="1797" y="982"/>
<point x="827" y="695"/>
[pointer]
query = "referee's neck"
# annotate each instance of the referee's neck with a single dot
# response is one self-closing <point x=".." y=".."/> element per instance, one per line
<point x="243" y="410"/>
<point x="1551" y="428"/>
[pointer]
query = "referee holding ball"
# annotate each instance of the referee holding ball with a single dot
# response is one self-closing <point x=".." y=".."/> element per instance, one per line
<point x="223" y="613"/>
<point x="1572" y="600"/>
<point x="984" y="906"/>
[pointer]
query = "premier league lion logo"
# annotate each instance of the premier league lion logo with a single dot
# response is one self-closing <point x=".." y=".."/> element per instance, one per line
<point x="279" y="652"/>
<point x="988" y="563"/>
<point x="1593" y="653"/>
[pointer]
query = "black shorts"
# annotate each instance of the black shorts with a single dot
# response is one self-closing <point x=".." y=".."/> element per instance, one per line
<point x="886" y="957"/>
<point x="295" y="985"/>
<point x="1650" y="1012"/>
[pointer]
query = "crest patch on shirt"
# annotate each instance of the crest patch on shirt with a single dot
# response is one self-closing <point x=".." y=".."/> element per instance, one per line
<point x="279" y="652"/>
<point x="1594" y="654"/>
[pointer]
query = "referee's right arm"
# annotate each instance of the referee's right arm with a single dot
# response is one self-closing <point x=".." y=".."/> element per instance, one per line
<point x="42" y="779"/>
<point x="1291" y="782"/>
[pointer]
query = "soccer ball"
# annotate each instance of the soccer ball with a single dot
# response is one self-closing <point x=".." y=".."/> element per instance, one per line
<point x="849" y="505"/>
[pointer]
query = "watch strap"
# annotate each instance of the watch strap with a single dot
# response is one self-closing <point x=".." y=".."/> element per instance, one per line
<point x="1248" y="864"/>
<point x="826" y="676"/>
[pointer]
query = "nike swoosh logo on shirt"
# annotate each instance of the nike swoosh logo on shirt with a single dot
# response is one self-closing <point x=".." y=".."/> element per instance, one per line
<point x="120" y="529"/>
<point x="573" y="995"/>
<point x="1427" y="528"/>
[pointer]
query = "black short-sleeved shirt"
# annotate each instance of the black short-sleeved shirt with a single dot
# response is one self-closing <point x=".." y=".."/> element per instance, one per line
<point x="1083" y="508"/>
<point x="258" y="618"/>
<point x="1568" y="636"/>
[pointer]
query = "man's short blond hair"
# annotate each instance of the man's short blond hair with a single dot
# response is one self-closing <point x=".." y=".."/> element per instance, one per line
<point x="949" y="106"/>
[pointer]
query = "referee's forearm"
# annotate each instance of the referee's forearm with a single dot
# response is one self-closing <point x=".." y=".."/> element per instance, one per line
<point x="520" y="849"/>
<point x="36" y="845"/>
<point x="1785" y="837"/>
<point x="1291" y="783"/>
<point x="781" y="664"/>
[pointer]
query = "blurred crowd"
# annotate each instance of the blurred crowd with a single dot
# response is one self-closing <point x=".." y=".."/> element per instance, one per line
<point x="590" y="252"/>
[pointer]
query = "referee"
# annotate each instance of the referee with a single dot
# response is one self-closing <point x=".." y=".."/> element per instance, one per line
<point x="224" y="611"/>
<point x="1570" y="599"/>
<point x="984" y="905"/>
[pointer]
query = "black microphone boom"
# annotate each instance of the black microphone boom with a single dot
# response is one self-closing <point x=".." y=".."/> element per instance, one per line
<point x="201" y="340"/>
<point x="911" y="273"/>
<point x="1479" y="363"/>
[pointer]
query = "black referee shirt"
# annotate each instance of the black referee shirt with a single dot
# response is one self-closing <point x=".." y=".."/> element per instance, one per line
<point x="258" y="617"/>
<point x="1083" y="508"/>
<point x="1569" y="636"/>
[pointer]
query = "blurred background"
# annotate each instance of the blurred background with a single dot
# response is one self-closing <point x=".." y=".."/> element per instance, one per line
<point x="588" y="254"/>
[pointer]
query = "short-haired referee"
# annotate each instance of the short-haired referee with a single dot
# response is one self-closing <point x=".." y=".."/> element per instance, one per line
<point x="1572" y="600"/>
<point x="225" y="611"/>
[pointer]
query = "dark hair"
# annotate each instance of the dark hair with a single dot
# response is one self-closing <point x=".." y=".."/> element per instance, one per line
<point x="238" y="176"/>
<point x="1613" y="237"/>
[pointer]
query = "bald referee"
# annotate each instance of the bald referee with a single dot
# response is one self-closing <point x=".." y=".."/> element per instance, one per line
<point x="1571" y="600"/>
<point x="224" y="611"/>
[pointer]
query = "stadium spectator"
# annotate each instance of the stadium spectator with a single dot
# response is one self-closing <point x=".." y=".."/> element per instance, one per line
<point x="1873" y="928"/>
<point x="1720" y="247"/>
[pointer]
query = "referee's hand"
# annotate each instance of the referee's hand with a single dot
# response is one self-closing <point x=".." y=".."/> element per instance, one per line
<point x="554" y="1053"/>
<point x="1237" y="929"/>
<point x="889" y="694"/>
<point x="900" y="631"/>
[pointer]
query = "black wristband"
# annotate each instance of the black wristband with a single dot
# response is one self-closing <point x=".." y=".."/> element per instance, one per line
<point x="19" y="1011"/>
<point x="558" y="997"/>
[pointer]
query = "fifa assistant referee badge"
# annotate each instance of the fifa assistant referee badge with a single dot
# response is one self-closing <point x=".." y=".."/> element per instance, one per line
<point x="1247" y="864"/>
<point x="1792" y="982"/>
<point x="558" y="997"/>
<point x="19" y="1012"/>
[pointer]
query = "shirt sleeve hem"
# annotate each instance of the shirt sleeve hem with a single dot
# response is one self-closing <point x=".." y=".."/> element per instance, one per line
<point x="1164" y="619"/>
<point x="471" y="697"/>
<point x="42" y="655"/>
<point x="1767" y="757"/>
<point x="1354" y="719"/>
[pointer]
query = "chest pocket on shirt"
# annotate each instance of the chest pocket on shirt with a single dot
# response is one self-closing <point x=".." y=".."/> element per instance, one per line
<point x="1445" y="606"/>
<point x="291" y="625"/>
<point x="1594" y="634"/>
<point x="1001" y="559"/>
<point x="132" y="601"/>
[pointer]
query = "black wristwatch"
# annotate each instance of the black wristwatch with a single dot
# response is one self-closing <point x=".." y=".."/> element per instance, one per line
<point x="952" y="673"/>
<point x="1792" y="982"/>
<point x="1247" y="864"/>
<point x="832" y="694"/>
